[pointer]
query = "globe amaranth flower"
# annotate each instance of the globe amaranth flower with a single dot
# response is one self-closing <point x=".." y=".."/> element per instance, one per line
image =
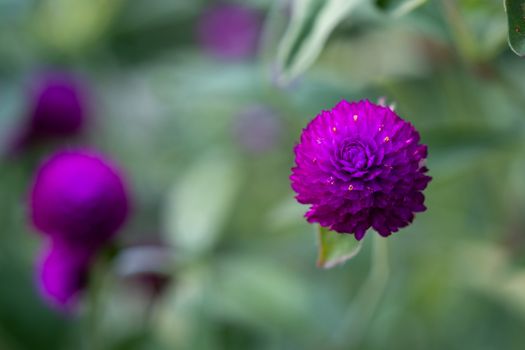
<point x="57" y="108"/>
<point x="78" y="197"/>
<point x="78" y="201"/>
<point x="360" y="166"/>
<point x="257" y="129"/>
<point x="230" y="31"/>
<point x="62" y="274"/>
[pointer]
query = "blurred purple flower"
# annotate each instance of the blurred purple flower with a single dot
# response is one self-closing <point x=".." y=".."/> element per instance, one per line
<point x="78" y="198"/>
<point x="57" y="104"/>
<point x="360" y="166"/>
<point x="257" y="129"/>
<point x="62" y="274"/>
<point x="230" y="31"/>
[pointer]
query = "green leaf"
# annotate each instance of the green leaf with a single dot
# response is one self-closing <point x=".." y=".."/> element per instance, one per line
<point x="516" y="19"/>
<point x="336" y="248"/>
<point x="398" y="8"/>
<point x="358" y="61"/>
<point x="311" y="23"/>
<point x="73" y="25"/>
<point x="181" y="319"/>
<point x="253" y="290"/>
<point x="200" y="202"/>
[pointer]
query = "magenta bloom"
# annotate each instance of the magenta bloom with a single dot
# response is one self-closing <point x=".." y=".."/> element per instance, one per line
<point x="360" y="166"/>
<point x="63" y="274"/>
<point x="230" y="31"/>
<point x="79" y="198"/>
<point x="57" y="108"/>
<point x="79" y="201"/>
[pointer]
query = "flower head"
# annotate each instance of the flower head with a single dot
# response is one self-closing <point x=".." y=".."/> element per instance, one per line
<point x="57" y="108"/>
<point x="62" y="274"/>
<point x="78" y="198"/>
<point x="360" y="166"/>
<point x="230" y="31"/>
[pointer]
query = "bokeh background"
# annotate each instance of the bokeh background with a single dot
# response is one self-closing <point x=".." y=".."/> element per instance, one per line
<point x="205" y="138"/>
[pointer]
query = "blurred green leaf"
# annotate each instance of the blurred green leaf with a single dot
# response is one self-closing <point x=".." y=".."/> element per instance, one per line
<point x="360" y="60"/>
<point x="139" y="341"/>
<point x="477" y="26"/>
<point x="488" y="268"/>
<point x="310" y="26"/>
<point x="484" y="263"/>
<point x="180" y="321"/>
<point x="286" y="214"/>
<point x="516" y="20"/>
<point x="336" y="248"/>
<point x="465" y="134"/>
<point x="200" y="202"/>
<point x="73" y="25"/>
<point x="398" y="7"/>
<point x="258" y="292"/>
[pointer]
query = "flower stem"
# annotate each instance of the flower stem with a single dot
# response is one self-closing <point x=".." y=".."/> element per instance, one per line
<point x="96" y="283"/>
<point x="362" y="308"/>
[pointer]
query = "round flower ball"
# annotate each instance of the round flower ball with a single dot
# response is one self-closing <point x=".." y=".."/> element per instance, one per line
<point x="57" y="108"/>
<point x="63" y="274"/>
<point x="79" y="198"/>
<point x="360" y="166"/>
<point x="230" y="31"/>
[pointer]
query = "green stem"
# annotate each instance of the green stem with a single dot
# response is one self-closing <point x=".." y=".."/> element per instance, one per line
<point x="96" y="283"/>
<point x="362" y="308"/>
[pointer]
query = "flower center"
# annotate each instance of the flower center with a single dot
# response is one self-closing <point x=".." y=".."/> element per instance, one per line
<point x="353" y="155"/>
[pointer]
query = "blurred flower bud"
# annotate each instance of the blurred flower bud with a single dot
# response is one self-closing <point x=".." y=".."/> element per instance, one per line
<point x="57" y="108"/>
<point x="230" y="31"/>
<point x="63" y="274"/>
<point x="78" y="198"/>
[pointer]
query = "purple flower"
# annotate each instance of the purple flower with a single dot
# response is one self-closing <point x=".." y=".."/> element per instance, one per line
<point x="360" y="166"/>
<point x="230" y="31"/>
<point x="62" y="274"/>
<point x="257" y="129"/>
<point x="79" y="201"/>
<point x="78" y="198"/>
<point x="57" y="109"/>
